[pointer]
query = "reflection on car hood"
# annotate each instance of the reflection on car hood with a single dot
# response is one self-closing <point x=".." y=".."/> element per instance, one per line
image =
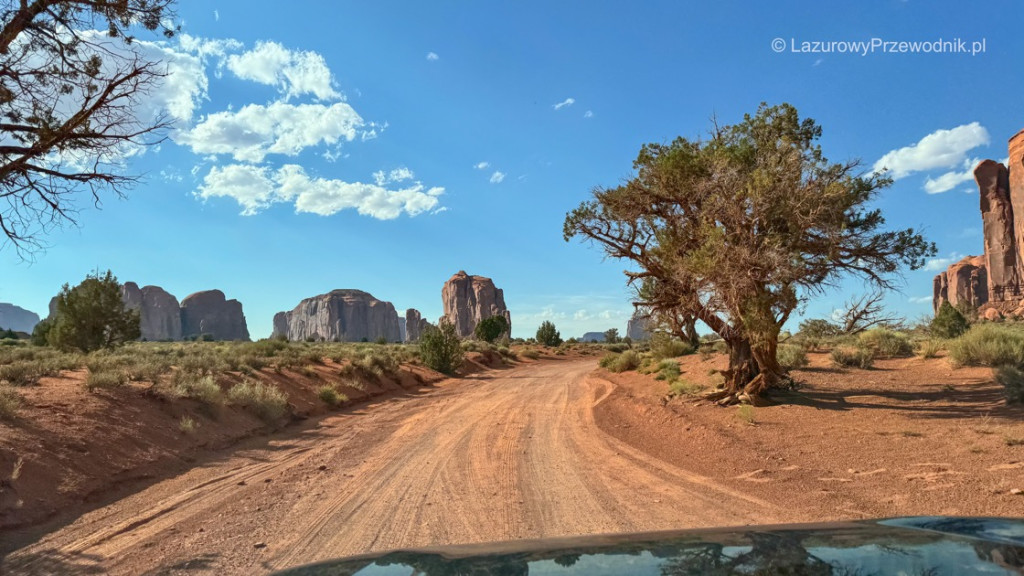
<point x="930" y="545"/>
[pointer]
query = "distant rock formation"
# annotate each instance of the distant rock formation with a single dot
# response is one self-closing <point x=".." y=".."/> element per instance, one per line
<point x="401" y="329"/>
<point x="993" y="283"/>
<point x="469" y="299"/>
<point x="209" y="312"/>
<point x="638" y="327"/>
<point x="414" y="325"/>
<point x="592" y="337"/>
<point x="17" y="318"/>
<point x="342" y="316"/>
<point x="159" y="312"/>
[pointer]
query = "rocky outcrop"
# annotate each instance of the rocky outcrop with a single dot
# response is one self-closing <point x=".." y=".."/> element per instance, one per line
<point x="638" y="327"/>
<point x="340" y="316"/>
<point x="592" y="337"/>
<point x="210" y="313"/>
<point x="17" y="318"/>
<point x="159" y="312"/>
<point x="996" y="279"/>
<point x="414" y="325"/>
<point x="401" y="329"/>
<point x="469" y="299"/>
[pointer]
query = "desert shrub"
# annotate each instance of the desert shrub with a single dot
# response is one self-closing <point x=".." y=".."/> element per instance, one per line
<point x="667" y="370"/>
<point x="791" y="356"/>
<point x="507" y="352"/>
<point x="817" y="329"/>
<point x="330" y="396"/>
<point x="853" y="357"/>
<point x="148" y="370"/>
<point x="490" y="328"/>
<point x="1011" y="379"/>
<point x="107" y="378"/>
<point x="886" y="343"/>
<point x="616" y="347"/>
<point x="20" y="373"/>
<point x="530" y="353"/>
<point x="188" y="425"/>
<point x="440" y="348"/>
<point x="198" y="387"/>
<point x="745" y="412"/>
<point x="10" y="401"/>
<point x="684" y="387"/>
<point x="930" y="348"/>
<point x="264" y="400"/>
<point x="948" y="322"/>
<point x="92" y="315"/>
<point x="628" y="360"/>
<point x="663" y="345"/>
<point x="720" y="346"/>
<point x="548" y="335"/>
<point x="988" y="345"/>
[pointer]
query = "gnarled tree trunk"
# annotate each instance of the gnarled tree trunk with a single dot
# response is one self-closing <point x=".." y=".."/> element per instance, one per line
<point x="752" y="371"/>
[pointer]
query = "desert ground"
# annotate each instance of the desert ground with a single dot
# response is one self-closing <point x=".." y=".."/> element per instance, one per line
<point x="550" y="448"/>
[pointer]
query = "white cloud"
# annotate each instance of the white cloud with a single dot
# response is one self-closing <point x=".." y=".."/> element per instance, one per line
<point x="256" y="130"/>
<point x="564" y="103"/>
<point x="294" y="72"/>
<point x="482" y="165"/>
<point x="216" y="16"/>
<point x="588" y="114"/>
<point x="255" y="188"/>
<point x="396" y="175"/>
<point x="497" y="177"/>
<point x="939" y="264"/>
<point x="921" y="300"/>
<point x="940" y="149"/>
<point x="581" y="315"/>
<point x="432" y="56"/>
<point x="952" y="179"/>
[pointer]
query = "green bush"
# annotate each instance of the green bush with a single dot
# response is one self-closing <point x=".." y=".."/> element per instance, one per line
<point x="852" y="357"/>
<point x="92" y="315"/>
<point x="988" y="345"/>
<point x="10" y="401"/>
<point x="683" y="387"/>
<point x="667" y="370"/>
<point x="885" y="343"/>
<point x="330" y="396"/>
<point x="930" y="348"/>
<point x="490" y="328"/>
<point x="1012" y="380"/>
<point x="548" y="335"/>
<point x="817" y="329"/>
<point x="20" y="373"/>
<point x="948" y="322"/>
<point x="663" y="345"/>
<point x="440" y="348"/>
<point x="107" y="378"/>
<point x="264" y="400"/>
<point x="628" y="360"/>
<point x="530" y="353"/>
<point x="791" y="356"/>
<point x="202" y="388"/>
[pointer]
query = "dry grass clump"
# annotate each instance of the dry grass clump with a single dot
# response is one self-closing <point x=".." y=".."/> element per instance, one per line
<point x="203" y="388"/>
<point x="329" y="395"/>
<point x="885" y="343"/>
<point x="10" y="401"/>
<point x="988" y="345"/>
<point x="791" y="356"/>
<point x="264" y="400"/>
<point x="108" y="377"/>
<point x="628" y="360"/>
<point x="852" y="357"/>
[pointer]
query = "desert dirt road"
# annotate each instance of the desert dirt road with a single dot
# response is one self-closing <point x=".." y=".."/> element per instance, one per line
<point x="505" y="455"/>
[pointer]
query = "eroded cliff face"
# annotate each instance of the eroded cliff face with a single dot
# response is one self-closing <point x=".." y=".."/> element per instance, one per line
<point x="994" y="282"/>
<point x="638" y="327"/>
<point x="342" y="316"/>
<point x="414" y="325"/>
<point x="17" y="318"/>
<point x="159" y="311"/>
<point x="469" y="299"/>
<point x="209" y="312"/>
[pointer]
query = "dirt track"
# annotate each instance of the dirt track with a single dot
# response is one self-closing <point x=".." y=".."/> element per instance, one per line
<point x="507" y="455"/>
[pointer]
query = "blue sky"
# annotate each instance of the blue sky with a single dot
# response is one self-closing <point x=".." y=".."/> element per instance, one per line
<point x="386" y="145"/>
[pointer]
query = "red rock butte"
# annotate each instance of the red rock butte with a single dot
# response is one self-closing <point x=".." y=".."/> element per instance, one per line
<point x="993" y="283"/>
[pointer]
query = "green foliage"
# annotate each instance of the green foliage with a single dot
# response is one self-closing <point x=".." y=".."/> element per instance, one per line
<point x="264" y="400"/>
<point x="791" y="356"/>
<point x="948" y="322"/>
<point x="106" y="378"/>
<point x="885" y="343"/>
<point x="853" y="357"/>
<point x="91" y="316"/>
<point x="202" y="388"/>
<point x="1012" y="380"/>
<point x="988" y="345"/>
<point x="491" y="328"/>
<point x="930" y="348"/>
<point x="684" y="387"/>
<point x="817" y="328"/>
<point x="548" y="335"/>
<point x="329" y="395"/>
<point x="10" y="401"/>
<point x="628" y="360"/>
<point x="667" y="370"/>
<point x="530" y="353"/>
<point x="611" y="335"/>
<point x="187" y="425"/>
<point x="663" y="345"/>
<point x="41" y="332"/>
<point x="20" y="373"/>
<point x="440" y="347"/>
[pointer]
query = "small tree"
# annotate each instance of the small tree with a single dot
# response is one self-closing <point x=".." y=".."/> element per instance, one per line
<point x="92" y="315"/>
<point x="818" y="328"/>
<point x="548" y="335"/>
<point x="948" y="322"/>
<point x="611" y="335"/>
<point x="440" y="347"/>
<point x="489" y="329"/>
